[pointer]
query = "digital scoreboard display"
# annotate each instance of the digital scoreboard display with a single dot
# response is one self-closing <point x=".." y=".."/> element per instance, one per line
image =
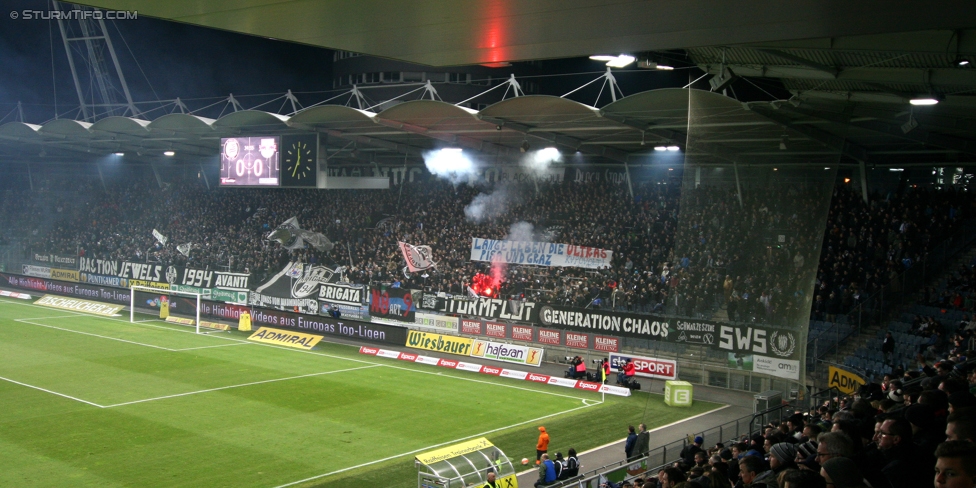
<point x="250" y="161"/>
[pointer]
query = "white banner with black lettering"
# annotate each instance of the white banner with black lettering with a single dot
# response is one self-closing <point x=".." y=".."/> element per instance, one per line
<point x="342" y="293"/>
<point x="539" y="253"/>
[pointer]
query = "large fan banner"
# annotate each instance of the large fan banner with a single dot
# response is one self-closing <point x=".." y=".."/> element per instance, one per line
<point x="539" y="253"/>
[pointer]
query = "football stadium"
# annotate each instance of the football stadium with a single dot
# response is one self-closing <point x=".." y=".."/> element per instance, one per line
<point x="487" y="244"/>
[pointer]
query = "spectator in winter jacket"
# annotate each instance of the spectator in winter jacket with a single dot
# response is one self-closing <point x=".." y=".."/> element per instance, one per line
<point x="547" y="472"/>
<point x="631" y="441"/>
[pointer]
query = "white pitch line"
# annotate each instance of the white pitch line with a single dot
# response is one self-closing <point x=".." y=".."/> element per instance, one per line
<point x="482" y="434"/>
<point x="316" y="353"/>
<point x="28" y="321"/>
<point x="211" y="347"/>
<point x="237" y="386"/>
<point x="51" y="392"/>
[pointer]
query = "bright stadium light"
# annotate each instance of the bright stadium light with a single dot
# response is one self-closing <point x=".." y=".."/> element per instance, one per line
<point x="120" y="154"/>
<point x="169" y="153"/>
<point x="926" y="100"/>
<point x="673" y="148"/>
<point x="660" y="148"/>
<point x="614" y="61"/>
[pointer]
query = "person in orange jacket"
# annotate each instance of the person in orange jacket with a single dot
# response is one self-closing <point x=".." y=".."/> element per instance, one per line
<point x="542" y="446"/>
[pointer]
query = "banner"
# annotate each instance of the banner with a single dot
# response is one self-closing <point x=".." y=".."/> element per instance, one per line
<point x="160" y="273"/>
<point x="149" y="284"/>
<point x="358" y="312"/>
<point x="285" y="338"/>
<point x="439" y="343"/>
<point x="531" y="356"/>
<point x="104" y="294"/>
<point x="539" y="253"/>
<point x="70" y="262"/>
<point x="103" y="280"/>
<point x="418" y="257"/>
<point x="440" y="323"/>
<point x="845" y="381"/>
<point x="783" y="368"/>
<point x="37" y="271"/>
<point x="496" y="371"/>
<point x="77" y="305"/>
<point x="609" y="175"/>
<point x="342" y="293"/>
<point x="228" y="296"/>
<point x="203" y="292"/>
<point x="392" y="303"/>
<point x="64" y="274"/>
<point x="664" y="369"/>
<point x="302" y="305"/>
<point x="489" y="308"/>
<point x="735" y="338"/>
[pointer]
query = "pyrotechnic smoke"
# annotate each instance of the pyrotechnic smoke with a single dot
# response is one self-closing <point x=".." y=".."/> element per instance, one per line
<point x="538" y="162"/>
<point x="486" y="206"/>
<point x="450" y="164"/>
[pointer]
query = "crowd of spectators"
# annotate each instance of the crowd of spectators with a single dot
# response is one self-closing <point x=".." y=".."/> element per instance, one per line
<point x="912" y="431"/>
<point x="700" y="253"/>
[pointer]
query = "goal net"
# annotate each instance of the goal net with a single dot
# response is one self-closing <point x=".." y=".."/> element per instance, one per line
<point x="177" y="307"/>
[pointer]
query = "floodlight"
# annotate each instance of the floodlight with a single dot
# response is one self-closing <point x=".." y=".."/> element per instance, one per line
<point x="896" y="170"/>
<point x="660" y="148"/>
<point x="169" y="153"/>
<point x="924" y="100"/>
<point x="673" y="148"/>
<point x="120" y="154"/>
<point x="614" y="61"/>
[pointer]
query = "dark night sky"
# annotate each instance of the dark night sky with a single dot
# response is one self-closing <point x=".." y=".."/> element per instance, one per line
<point x="180" y="60"/>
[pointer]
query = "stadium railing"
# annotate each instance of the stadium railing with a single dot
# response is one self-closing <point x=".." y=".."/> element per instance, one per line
<point x="737" y="430"/>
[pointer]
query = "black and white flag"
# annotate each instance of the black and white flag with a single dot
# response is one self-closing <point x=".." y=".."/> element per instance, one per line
<point x="291" y="236"/>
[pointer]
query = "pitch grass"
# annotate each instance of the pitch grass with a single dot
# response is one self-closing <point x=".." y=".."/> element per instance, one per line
<point x="166" y="407"/>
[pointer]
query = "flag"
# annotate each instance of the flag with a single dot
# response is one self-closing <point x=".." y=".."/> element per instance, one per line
<point x="418" y="257"/>
<point x="603" y="374"/>
<point x="160" y="237"/>
<point x="184" y="249"/>
<point x="291" y="236"/>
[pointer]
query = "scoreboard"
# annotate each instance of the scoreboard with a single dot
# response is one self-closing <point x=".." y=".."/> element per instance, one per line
<point x="250" y="161"/>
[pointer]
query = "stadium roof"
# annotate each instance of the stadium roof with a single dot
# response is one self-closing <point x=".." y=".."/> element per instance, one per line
<point x="447" y="33"/>
<point x="850" y="69"/>
<point x="623" y="131"/>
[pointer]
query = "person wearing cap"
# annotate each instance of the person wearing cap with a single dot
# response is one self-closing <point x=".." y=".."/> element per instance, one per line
<point x="689" y="451"/>
<point x="542" y="445"/>
<point x="955" y="465"/>
<point x="840" y="472"/>
<point x="782" y="457"/>
<point x="927" y="431"/>
<point x="559" y="464"/>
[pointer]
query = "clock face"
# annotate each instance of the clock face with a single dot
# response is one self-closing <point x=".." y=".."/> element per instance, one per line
<point x="299" y="162"/>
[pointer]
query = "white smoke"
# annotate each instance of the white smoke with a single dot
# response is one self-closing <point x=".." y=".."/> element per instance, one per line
<point x="538" y="162"/>
<point x="521" y="231"/>
<point x="487" y="206"/>
<point x="451" y="164"/>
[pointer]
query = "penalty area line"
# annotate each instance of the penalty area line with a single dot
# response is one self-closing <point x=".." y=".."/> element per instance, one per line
<point x="237" y="386"/>
<point x="434" y="446"/>
<point x="51" y="392"/>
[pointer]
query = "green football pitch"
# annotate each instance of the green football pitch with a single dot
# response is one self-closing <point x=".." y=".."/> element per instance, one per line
<point x="97" y="401"/>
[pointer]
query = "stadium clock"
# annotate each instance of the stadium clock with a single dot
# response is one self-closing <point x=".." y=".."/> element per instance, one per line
<point x="298" y="161"/>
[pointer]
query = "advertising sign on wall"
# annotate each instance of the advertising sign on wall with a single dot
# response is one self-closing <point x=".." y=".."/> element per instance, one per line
<point x="531" y="356"/>
<point x="664" y="369"/>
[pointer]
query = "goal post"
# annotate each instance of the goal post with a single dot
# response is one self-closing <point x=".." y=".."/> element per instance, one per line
<point x="160" y="302"/>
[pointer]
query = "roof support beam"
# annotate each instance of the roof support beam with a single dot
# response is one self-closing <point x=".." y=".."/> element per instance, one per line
<point x="800" y="60"/>
<point x="832" y="141"/>
<point x="919" y="134"/>
<point x="359" y="139"/>
<point x="468" y="142"/>
<point x="560" y="140"/>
